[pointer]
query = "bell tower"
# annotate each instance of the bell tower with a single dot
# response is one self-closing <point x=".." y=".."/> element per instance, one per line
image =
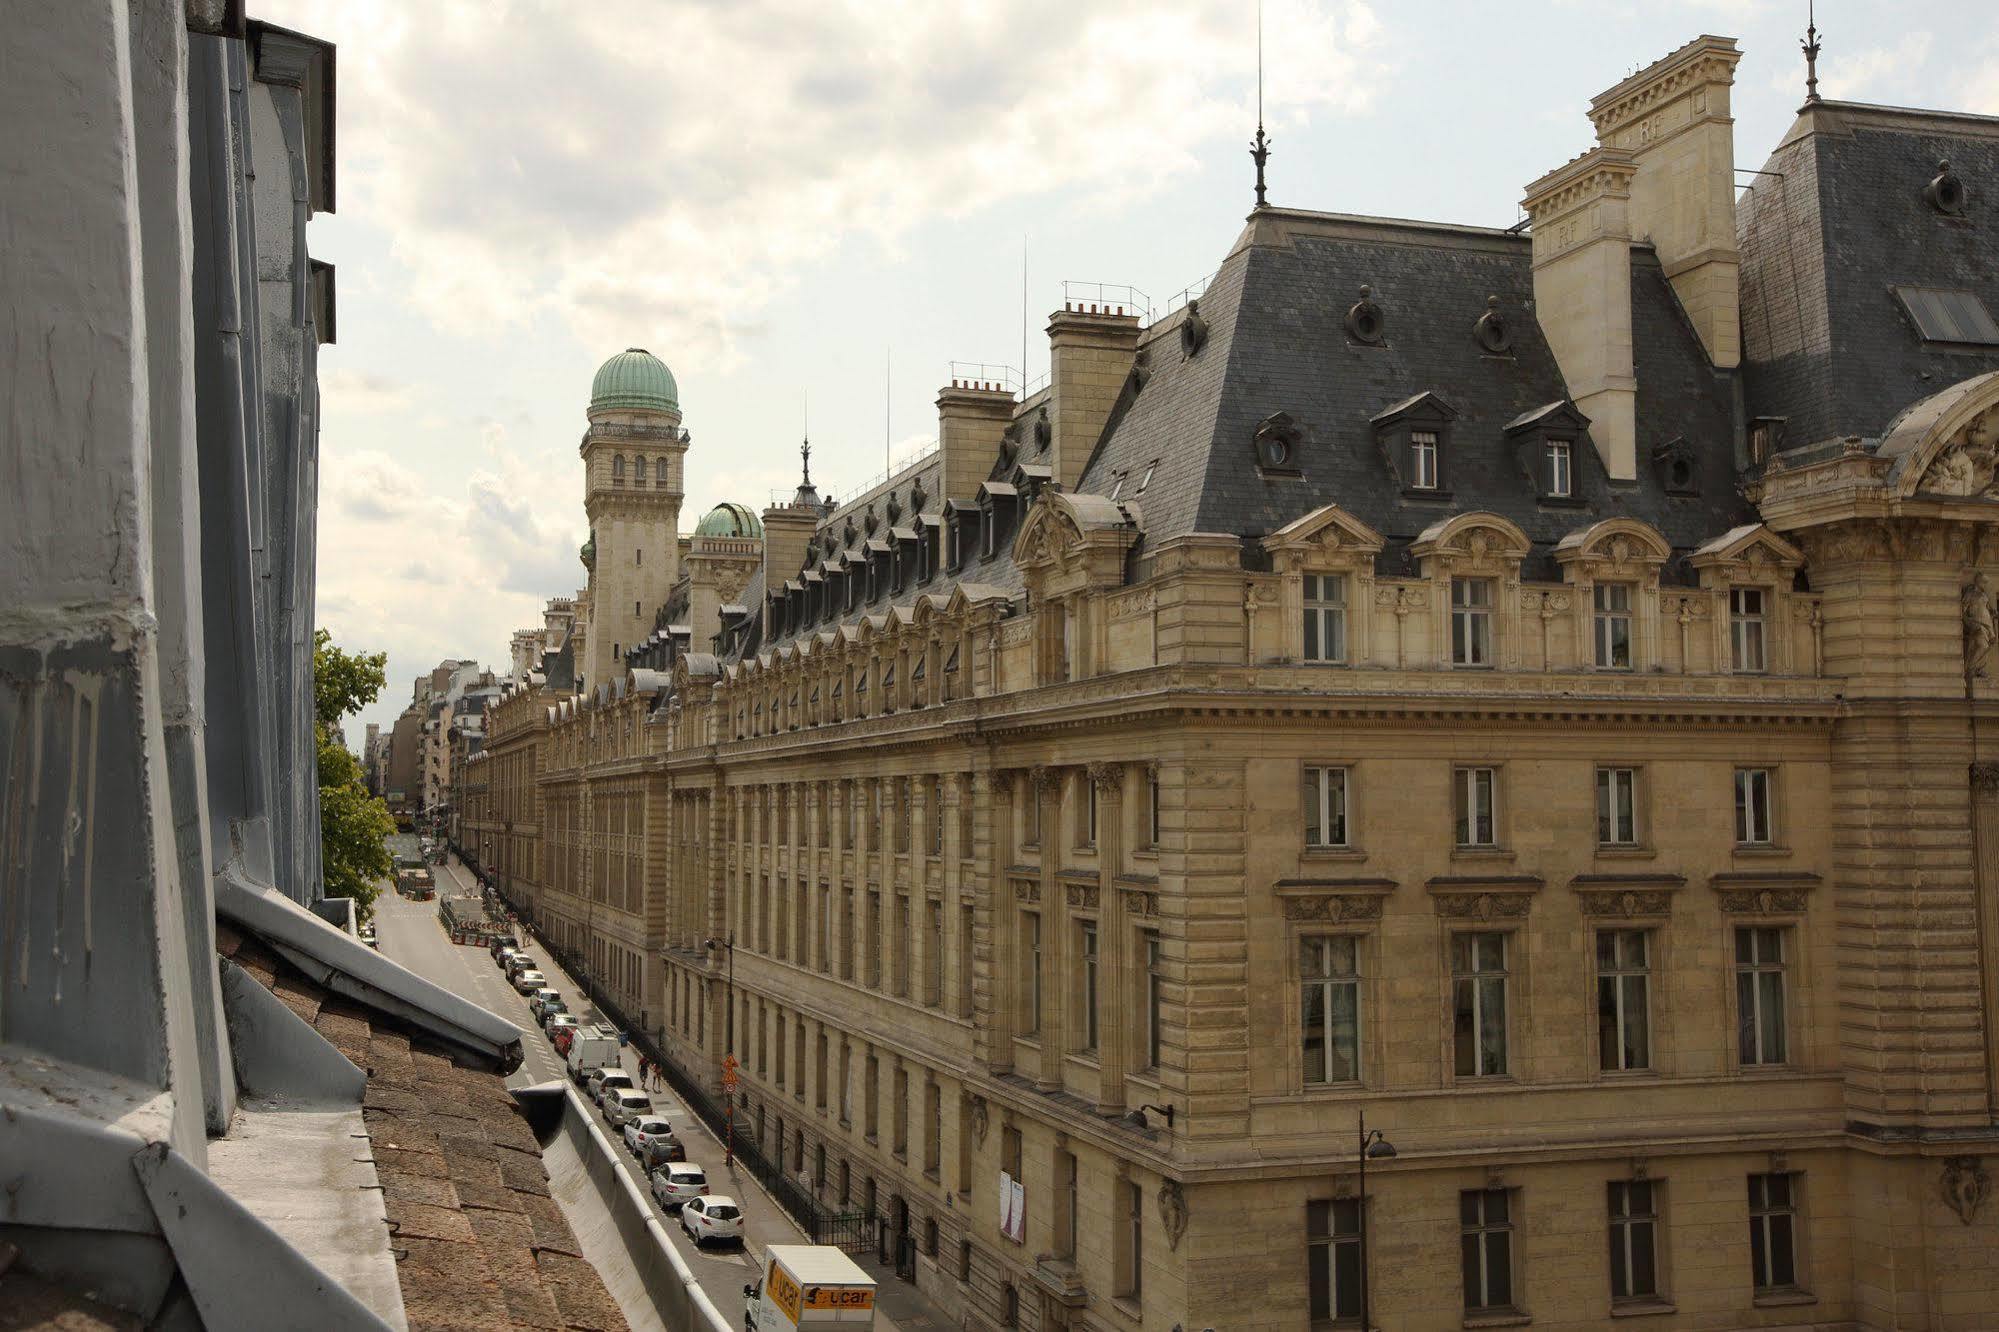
<point x="633" y="456"/>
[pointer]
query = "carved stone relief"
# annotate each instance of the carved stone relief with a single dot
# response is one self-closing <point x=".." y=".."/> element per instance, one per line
<point x="1483" y="906"/>
<point x="1625" y="902"/>
<point x="1967" y="465"/>
<point x="1172" y="1212"/>
<point x="1965" y="1186"/>
<point x="1978" y="626"/>
<point x="1764" y="901"/>
<point x="1333" y="907"/>
<point x="1083" y="895"/>
<point x="1138" y="902"/>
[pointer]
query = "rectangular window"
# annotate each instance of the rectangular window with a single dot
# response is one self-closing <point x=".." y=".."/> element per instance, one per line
<point x="1090" y="819"/>
<point x="1088" y="980"/>
<point x="1759" y="994"/>
<point x="871" y="1098"/>
<point x="874" y="941"/>
<point x="846" y="934"/>
<point x="1478" y="985"/>
<point x="1332" y="1236"/>
<point x="1032" y="813"/>
<point x="1068" y="1204"/>
<point x="1745" y="628"/>
<point x="1623" y="1000"/>
<point x="1613" y="626"/>
<point x="1943" y="314"/>
<point x="934" y="811"/>
<point x="1773" y="1239"/>
<point x="1030" y="955"/>
<point x="902" y="925"/>
<point x="1617" y="806"/>
<point x="933" y="953"/>
<point x="1752" y="806"/>
<point x="1471" y="621"/>
<point x="1423" y="459"/>
<point x="1155" y="988"/>
<point x="1634" y="1237"/>
<point x="1473" y="791"/>
<point x="1329" y="1007"/>
<point x="1152" y="807"/>
<point x="1560" y="481"/>
<point x="1326" y="807"/>
<point x="1485" y="1218"/>
<point x="1131" y="1274"/>
<point x="965" y="811"/>
<point x="1325" y="617"/>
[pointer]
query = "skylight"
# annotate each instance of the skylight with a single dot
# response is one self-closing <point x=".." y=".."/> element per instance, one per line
<point x="1944" y="315"/>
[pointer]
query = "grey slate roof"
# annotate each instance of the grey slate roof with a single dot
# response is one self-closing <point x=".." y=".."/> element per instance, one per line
<point x="1278" y="343"/>
<point x="1842" y="221"/>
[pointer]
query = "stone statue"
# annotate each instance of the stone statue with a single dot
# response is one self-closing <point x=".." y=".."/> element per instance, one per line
<point x="1979" y="629"/>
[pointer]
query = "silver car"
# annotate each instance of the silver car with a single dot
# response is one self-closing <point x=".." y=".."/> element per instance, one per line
<point x="624" y="1104"/>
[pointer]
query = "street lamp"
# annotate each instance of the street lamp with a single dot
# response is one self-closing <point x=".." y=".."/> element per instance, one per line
<point x="728" y="1051"/>
<point x="1374" y="1145"/>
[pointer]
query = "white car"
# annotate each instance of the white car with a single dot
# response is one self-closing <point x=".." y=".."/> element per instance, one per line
<point x="607" y="1080"/>
<point x="713" y="1217"/>
<point x="624" y="1104"/>
<point x="677" y="1181"/>
<point x="550" y="1022"/>
<point x="645" y="1128"/>
<point x="530" y="980"/>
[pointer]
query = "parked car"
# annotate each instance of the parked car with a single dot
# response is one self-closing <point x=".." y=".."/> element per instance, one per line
<point x="527" y="980"/>
<point x="553" y="1023"/>
<point x="714" y="1217"/>
<point x="517" y="962"/>
<point x="503" y="943"/>
<point x="367" y="934"/>
<point x="605" y="1080"/>
<point x="563" y="1036"/>
<point x="658" y="1151"/>
<point x="546" y="1000"/>
<point x="624" y="1104"/>
<point x="592" y="1048"/>
<point x="675" y="1183"/>
<point x="640" y="1131"/>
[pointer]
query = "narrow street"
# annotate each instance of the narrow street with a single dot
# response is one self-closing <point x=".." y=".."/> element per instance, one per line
<point x="411" y="934"/>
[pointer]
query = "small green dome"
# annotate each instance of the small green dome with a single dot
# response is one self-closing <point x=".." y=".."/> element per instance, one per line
<point x="634" y="380"/>
<point x="729" y="519"/>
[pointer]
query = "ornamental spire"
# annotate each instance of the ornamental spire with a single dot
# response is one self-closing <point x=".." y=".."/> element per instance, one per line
<point x="1259" y="147"/>
<point x="1811" y="49"/>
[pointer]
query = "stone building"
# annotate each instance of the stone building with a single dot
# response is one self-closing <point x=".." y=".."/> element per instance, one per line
<point x="1531" y="686"/>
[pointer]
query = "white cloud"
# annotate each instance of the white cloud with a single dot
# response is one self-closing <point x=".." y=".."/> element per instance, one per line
<point x="345" y="391"/>
<point x="668" y="167"/>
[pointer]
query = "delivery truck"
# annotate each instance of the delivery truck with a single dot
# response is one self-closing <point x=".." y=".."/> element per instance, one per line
<point x="807" y="1286"/>
<point x="591" y="1048"/>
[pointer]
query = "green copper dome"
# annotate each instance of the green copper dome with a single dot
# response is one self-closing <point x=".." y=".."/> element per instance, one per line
<point x="730" y="520"/>
<point x="634" y="380"/>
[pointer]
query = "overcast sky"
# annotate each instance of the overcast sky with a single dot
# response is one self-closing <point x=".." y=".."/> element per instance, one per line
<point x="780" y="199"/>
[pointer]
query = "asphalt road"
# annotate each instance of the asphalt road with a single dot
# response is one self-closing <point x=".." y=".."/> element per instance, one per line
<point x="412" y="935"/>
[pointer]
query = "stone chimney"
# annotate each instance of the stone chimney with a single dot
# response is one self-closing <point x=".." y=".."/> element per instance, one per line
<point x="788" y="529"/>
<point x="1582" y="293"/>
<point x="1090" y="351"/>
<point x="971" y="417"/>
<point x="1673" y="118"/>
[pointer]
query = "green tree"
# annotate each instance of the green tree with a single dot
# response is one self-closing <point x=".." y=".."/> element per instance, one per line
<point x="353" y="825"/>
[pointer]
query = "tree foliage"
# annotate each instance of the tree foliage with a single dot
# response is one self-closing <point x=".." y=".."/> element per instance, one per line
<point x="353" y="825"/>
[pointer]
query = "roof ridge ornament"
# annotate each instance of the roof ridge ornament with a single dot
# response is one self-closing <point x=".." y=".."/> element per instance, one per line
<point x="1811" y="49"/>
<point x="1259" y="147"/>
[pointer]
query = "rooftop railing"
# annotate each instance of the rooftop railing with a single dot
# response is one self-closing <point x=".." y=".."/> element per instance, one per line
<point x="1111" y="298"/>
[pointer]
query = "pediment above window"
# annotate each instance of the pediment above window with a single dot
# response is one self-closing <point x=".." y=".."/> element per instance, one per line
<point x="1751" y="553"/>
<point x="1327" y="538"/>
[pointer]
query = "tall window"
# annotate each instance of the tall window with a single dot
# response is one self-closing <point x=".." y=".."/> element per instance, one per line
<point x="1478" y="984"/>
<point x="1326" y="807"/>
<point x="1030" y="956"/>
<point x="1032" y="814"/>
<point x="1473" y="793"/>
<point x="1471" y="621"/>
<point x="1745" y="627"/>
<point x="1617" y="806"/>
<point x="1613" y="626"/>
<point x="1329" y="1007"/>
<point x="1087" y="979"/>
<point x="1155" y="988"/>
<point x="933" y="953"/>
<point x="935" y="811"/>
<point x="1773" y="1240"/>
<point x="1332" y="1234"/>
<point x="874" y="941"/>
<point x="1623" y="999"/>
<point x="1485" y="1225"/>
<point x="1561" y="482"/>
<point x="1068" y="1204"/>
<point x="1752" y="806"/>
<point x="1089" y="829"/>
<point x="1634" y="1230"/>
<point x="1423" y="459"/>
<point x="1325" y="617"/>
<point x="1759" y="994"/>
<point x="1152" y="807"/>
<point x="1131" y="1253"/>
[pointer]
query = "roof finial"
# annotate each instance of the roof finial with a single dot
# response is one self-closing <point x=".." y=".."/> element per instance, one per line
<point x="805" y="459"/>
<point x="1259" y="147"/>
<point x="1811" y="48"/>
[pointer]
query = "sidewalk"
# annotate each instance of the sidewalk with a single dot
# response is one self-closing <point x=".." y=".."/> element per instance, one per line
<point x="899" y="1306"/>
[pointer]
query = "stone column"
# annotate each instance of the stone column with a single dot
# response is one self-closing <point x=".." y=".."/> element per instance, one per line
<point x="1054" y="1035"/>
<point x="1112" y="936"/>
<point x="812" y="873"/>
<point x="951" y="983"/>
<point x="836" y="810"/>
<point x="995" y="913"/>
<point x="891" y="883"/>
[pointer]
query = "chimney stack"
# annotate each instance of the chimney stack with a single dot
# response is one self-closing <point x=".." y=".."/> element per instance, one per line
<point x="1089" y="352"/>
<point x="971" y="417"/>
<point x="788" y="530"/>
<point x="1673" y="118"/>
<point x="1582" y="293"/>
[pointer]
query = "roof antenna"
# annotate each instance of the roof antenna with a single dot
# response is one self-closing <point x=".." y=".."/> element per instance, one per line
<point x="888" y="378"/>
<point x="805" y="447"/>
<point x="1811" y="48"/>
<point x="1259" y="147"/>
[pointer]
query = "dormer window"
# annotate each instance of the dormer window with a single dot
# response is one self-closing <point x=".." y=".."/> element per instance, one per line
<point x="1544" y="441"/>
<point x="1278" y="442"/>
<point x="1560" y="482"/>
<point x="1145" y="480"/>
<point x="1766" y="439"/>
<point x="1423" y="460"/>
<point x="987" y="526"/>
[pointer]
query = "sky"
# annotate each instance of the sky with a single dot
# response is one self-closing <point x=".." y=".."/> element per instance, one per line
<point x="810" y="210"/>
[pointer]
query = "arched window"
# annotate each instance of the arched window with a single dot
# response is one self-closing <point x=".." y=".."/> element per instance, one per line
<point x="659" y="471"/>
<point x="618" y="467"/>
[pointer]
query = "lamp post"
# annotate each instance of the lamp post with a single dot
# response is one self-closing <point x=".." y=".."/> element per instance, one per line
<point x="1372" y="1144"/>
<point x="728" y="1051"/>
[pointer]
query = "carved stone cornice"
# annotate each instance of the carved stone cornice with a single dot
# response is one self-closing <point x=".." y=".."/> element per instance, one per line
<point x="1626" y="896"/>
<point x="1333" y="901"/>
<point x="1764" y="893"/>
<point x="1045" y="778"/>
<point x="1484" y="896"/>
<point x="1083" y="895"/>
<point x="1027" y="891"/>
<point x="1108" y="778"/>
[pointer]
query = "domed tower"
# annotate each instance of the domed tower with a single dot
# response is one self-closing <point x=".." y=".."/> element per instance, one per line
<point x="633" y="456"/>
<point x="724" y="555"/>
